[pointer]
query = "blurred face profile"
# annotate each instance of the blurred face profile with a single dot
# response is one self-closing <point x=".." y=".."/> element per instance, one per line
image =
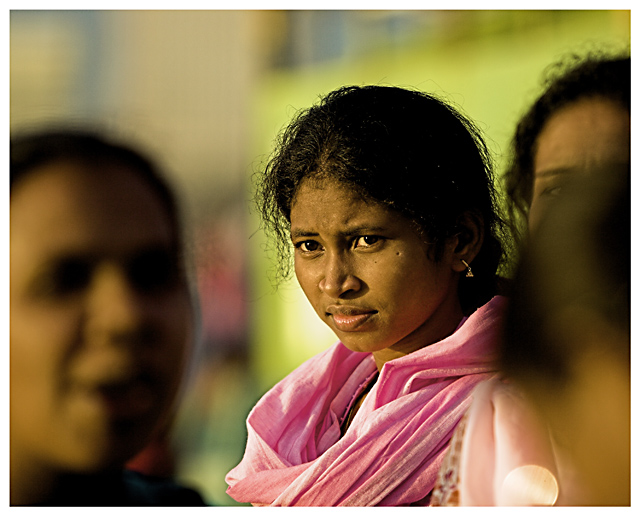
<point x="568" y="339"/>
<point x="100" y="316"/>
<point x="589" y="133"/>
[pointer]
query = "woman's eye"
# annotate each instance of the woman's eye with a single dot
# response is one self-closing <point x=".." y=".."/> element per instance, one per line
<point x="64" y="277"/>
<point x="153" y="271"/>
<point x="552" y="191"/>
<point x="308" y="246"/>
<point x="367" y="241"/>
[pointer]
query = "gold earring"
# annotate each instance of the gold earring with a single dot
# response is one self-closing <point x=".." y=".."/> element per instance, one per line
<point x="469" y="272"/>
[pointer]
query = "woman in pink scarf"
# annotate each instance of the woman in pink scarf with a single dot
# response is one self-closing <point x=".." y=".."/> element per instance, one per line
<point x="387" y="196"/>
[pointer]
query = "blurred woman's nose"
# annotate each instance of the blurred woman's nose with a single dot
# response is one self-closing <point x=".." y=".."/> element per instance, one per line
<point x="116" y="310"/>
<point x="338" y="278"/>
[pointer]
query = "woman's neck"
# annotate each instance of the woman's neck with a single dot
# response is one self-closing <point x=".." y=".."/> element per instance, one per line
<point x="419" y="339"/>
<point x="35" y="483"/>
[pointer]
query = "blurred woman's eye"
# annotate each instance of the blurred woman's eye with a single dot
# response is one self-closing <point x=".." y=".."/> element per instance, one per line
<point x="153" y="270"/>
<point x="552" y="191"/>
<point x="63" y="277"/>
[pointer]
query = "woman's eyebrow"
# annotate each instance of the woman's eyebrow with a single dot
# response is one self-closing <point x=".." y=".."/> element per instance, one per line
<point x="362" y="229"/>
<point x="555" y="171"/>
<point x="302" y="233"/>
<point x="348" y="231"/>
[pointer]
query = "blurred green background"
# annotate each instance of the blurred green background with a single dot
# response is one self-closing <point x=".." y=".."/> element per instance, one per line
<point x="206" y="92"/>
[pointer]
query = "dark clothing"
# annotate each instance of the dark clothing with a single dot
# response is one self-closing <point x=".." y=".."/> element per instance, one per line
<point x="126" y="489"/>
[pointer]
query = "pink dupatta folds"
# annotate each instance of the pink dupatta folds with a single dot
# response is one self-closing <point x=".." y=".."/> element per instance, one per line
<point x="391" y="452"/>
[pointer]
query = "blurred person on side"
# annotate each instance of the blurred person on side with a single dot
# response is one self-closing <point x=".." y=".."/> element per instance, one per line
<point x="578" y="127"/>
<point x="101" y="320"/>
<point x="567" y="343"/>
<point x="385" y="196"/>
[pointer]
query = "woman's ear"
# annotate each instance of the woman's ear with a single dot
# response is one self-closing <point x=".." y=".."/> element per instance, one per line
<point x="467" y="241"/>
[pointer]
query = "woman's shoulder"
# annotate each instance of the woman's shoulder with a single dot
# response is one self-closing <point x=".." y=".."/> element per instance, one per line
<point x="505" y="434"/>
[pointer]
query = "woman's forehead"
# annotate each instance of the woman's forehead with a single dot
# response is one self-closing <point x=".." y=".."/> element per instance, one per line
<point x="333" y="206"/>
<point x="315" y="184"/>
<point x="66" y="202"/>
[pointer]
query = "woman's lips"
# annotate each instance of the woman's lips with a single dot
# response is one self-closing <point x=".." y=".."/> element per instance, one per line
<point x="127" y="400"/>
<point x="349" y="319"/>
<point x="118" y="398"/>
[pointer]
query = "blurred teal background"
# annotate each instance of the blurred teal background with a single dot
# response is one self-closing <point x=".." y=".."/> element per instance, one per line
<point x="206" y="92"/>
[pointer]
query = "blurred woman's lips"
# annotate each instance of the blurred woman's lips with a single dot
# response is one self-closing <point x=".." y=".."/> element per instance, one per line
<point x="120" y="396"/>
<point x="349" y="318"/>
<point x="126" y="400"/>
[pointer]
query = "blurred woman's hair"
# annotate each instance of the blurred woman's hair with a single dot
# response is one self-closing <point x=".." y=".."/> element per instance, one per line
<point x="96" y="153"/>
<point x="566" y="82"/>
<point x="406" y="150"/>
<point x="30" y="151"/>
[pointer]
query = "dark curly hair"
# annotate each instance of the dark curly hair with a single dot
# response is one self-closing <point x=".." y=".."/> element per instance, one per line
<point x="404" y="149"/>
<point x="573" y="78"/>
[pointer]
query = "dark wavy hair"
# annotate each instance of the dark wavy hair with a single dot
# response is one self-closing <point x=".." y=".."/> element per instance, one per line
<point x="572" y="79"/>
<point x="404" y="149"/>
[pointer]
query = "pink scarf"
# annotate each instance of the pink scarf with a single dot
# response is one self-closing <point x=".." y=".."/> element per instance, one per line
<point x="391" y="452"/>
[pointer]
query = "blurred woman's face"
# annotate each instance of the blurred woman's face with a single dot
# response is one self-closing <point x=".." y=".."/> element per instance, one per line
<point x="368" y="274"/>
<point x="589" y="133"/>
<point x="100" y="317"/>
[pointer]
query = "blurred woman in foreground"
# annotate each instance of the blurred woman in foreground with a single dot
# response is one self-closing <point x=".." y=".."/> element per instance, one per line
<point x="101" y="321"/>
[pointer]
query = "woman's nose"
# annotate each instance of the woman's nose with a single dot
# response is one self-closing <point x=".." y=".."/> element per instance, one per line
<point x="338" y="277"/>
<point x="116" y="310"/>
